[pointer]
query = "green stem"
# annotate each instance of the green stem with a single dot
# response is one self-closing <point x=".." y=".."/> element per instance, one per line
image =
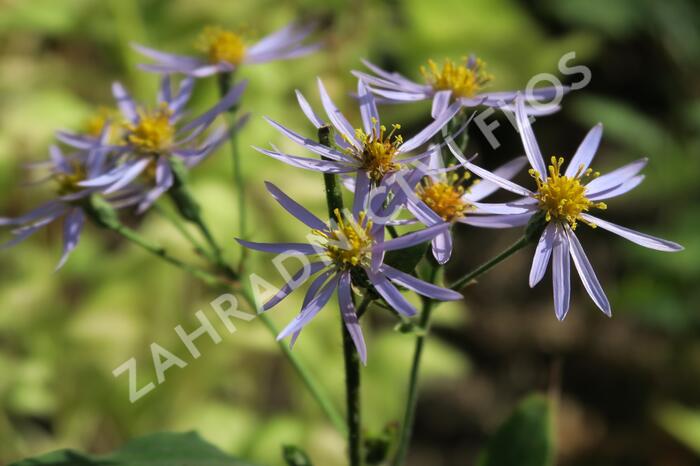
<point x="226" y="80"/>
<point x="412" y="399"/>
<point x="334" y="200"/>
<point x="316" y="390"/>
<point x="182" y="228"/>
<point x="426" y="314"/>
<point x="486" y="266"/>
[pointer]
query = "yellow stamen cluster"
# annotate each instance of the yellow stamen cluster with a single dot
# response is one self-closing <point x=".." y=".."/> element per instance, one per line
<point x="445" y="197"/>
<point x="68" y="182"/>
<point x="464" y="80"/>
<point x="221" y="45"/>
<point x="378" y="151"/>
<point x="349" y="241"/>
<point x="153" y="133"/>
<point x="96" y="123"/>
<point x="564" y="198"/>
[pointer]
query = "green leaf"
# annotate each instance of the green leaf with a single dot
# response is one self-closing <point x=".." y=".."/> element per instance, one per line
<point x="525" y="439"/>
<point x="407" y="259"/>
<point x="161" y="449"/>
<point x="682" y="423"/>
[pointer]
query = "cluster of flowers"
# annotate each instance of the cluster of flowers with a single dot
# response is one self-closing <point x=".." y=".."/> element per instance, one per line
<point x="133" y="159"/>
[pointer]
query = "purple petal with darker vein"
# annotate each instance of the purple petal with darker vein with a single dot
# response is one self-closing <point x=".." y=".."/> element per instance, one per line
<point x="25" y="232"/>
<point x="543" y="252"/>
<point x="295" y="282"/>
<point x="226" y="102"/>
<point x="615" y="178"/>
<point x="308" y="111"/>
<point x="429" y="131"/>
<point x="441" y="100"/>
<point x="587" y="274"/>
<point x="294" y="208"/>
<point x="311" y="309"/>
<point x="419" y="286"/>
<point x="497" y="221"/>
<point x="402" y="96"/>
<point x="586" y="151"/>
<point x="282" y="54"/>
<point x="130" y="173"/>
<point x="347" y="309"/>
<point x="390" y="294"/>
<point x="124" y="101"/>
<point x="636" y="237"/>
<point x="411" y="239"/>
<point x="368" y="109"/>
<point x="183" y="96"/>
<point x="532" y="149"/>
<point x="303" y="248"/>
<point x="362" y="188"/>
<point x="625" y="187"/>
<point x="442" y="247"/>
<point x="324" y="166"/>
<point x="500" y="208"/>
<point x="166" y="58"/>
<point x="484" y="188"/>
<point x="561" y="269"/>
<point x="309" y="144"/>
<point x="291" y="34"/>
<point x="77" y="141"/>
<point x="72" y="226"/>
<point x="395" y="77"/>
<point x="44" y="210"/>
<point x="165" y="91"/>
<point x="336" y="117"/>
<point x="487" y="175"/>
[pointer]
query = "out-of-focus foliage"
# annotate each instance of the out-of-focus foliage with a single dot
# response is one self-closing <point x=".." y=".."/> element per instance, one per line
<point x="61" y="335"/>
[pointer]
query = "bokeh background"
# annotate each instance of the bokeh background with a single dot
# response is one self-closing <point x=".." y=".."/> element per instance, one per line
<point x="628" y="388"/>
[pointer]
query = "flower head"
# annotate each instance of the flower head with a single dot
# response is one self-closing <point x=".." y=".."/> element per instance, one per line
<point x="351" y="243"/>
<point x="370" y="151"/>
<point x="455" y="82"/>
<point x="225" y="50"/>
<point x="563" y="199"/>
<point x="149" y="138"/>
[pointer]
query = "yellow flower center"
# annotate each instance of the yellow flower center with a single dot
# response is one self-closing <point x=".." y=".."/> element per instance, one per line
<point x="563" y="198"/>
<point x="153" y="133"/>
<point x="68" y="182"/>
<point x="463" y="80"/>
<point x="378" y="151"/>
<point x="96" y="123"/>
<point x="445" y="197"/>
<point x="221" y="45"/>
<point x="349" y="241"/>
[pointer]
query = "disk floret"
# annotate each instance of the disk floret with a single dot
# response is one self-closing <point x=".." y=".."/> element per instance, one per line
<point x="153" y="132"/>
<point x="464" y="80"/>
<point x="563" y="198"/>
<point x="348" y="241"/>
<point x="379" y="150"/>
<point x="221" y="45"/>
<point x="445" y="197"/>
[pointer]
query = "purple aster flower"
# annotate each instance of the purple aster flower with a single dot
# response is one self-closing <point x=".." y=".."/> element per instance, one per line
<point x="350" y="245"/>
<point x="150" y="137"/>
<point x="371" y="152"/>
<point x="223" y="51"/>
<point x="453" y="82"/>
<point x="436" y="195"/>
<point x="564" y="199"/>
<point x="67" y="172"/>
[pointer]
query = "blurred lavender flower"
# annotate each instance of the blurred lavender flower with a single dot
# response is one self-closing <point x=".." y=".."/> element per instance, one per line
<point x="226" y="50"/>
<point x="463" y="83"/>
<point x="351" y="245"/>
<point x="149" y="138"/>
<point x="370" y="152"/>
<point x="67" y="172"/>
<point x="436" y="194"/>
<point x="563" y="200"/>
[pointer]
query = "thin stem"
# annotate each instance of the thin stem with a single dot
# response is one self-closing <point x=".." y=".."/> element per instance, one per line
<point x="334" y="199"/>
<point x="426" y="314"/>
<point x="161" y="252"/>
<point x="486" y="266"/>
<point x="412" y="399"/>
<point x="226" y="80"/>
<point x="180" y="226"/>
<point x="316" y="390"/>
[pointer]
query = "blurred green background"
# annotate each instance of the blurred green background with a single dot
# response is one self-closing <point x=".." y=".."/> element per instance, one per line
<point x="627" y="387"/>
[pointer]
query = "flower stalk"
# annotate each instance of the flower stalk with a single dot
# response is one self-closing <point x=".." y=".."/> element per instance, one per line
<point x="334" y="200"/>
